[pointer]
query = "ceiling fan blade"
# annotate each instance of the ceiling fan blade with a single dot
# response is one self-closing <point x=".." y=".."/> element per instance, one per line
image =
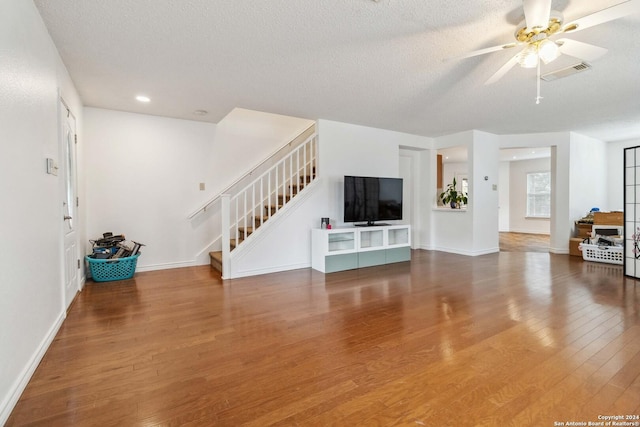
<point x="605" y="15"/>
<point x="536" y="13"/>
<point x="580" y="50"/>
<point x="503" y="70"/>
<point x="482" y="51"/>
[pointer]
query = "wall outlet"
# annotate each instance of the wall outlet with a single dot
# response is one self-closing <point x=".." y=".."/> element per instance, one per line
<point x="495" y="187"/>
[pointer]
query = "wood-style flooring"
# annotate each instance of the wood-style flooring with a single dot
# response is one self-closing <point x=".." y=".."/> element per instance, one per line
<point x="524" y="242"/>
<point x="507" y="339"/>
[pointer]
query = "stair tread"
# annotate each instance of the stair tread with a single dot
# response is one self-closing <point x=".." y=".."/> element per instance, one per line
<point x="216" y="260"/>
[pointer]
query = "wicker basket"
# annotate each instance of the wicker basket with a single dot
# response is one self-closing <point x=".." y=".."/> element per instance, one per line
<point x="608" y="254"/>
<point x="107" y="270"/>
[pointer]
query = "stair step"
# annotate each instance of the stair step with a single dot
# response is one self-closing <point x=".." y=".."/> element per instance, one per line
<point x="273" y="209"/>
<point x="306" y="179"/>
<point x="216" y="260"/>
<point x="257" y="220"/>
<point x="249" y="230"/>
<point x="282" y="198"/>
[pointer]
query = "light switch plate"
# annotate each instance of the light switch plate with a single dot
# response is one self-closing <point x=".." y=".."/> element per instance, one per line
<point x="52" y="167"/>
<point x="202" y="186"/>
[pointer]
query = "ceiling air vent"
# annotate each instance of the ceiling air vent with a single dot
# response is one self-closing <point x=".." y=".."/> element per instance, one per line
<point x="574" y="69"/>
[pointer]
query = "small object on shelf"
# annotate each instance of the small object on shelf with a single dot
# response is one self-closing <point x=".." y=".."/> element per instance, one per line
<point x="324" y="222"/>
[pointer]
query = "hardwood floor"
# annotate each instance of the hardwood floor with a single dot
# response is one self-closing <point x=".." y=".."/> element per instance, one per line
<point x="524" y="242"/>
<point x="521" y="339"/>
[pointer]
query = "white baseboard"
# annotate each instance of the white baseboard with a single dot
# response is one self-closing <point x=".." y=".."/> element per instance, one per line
<point x="277" y="269"/>
<point x="528" y="231"/>
<point x="18" y="387"/>
<point x="559" y="251"/>
<point x="166" y="266"/>
<point x="468" y="253"/>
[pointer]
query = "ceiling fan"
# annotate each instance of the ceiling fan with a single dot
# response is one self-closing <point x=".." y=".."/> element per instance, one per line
<point x="536" y="35"/>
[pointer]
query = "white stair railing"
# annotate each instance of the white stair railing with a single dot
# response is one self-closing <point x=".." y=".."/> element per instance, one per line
<point x="267" y="195"/>
<point x="241" y="180"/>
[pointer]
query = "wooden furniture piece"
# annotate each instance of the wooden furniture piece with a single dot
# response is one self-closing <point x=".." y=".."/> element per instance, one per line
<point x="583" y="230"/>
<point x="341" y="249"/>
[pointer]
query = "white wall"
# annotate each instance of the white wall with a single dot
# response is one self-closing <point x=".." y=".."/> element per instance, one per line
<point x="615" y="176"/>
<point x="344" y="149"/>
<point x="474" y="230"/>
<point x="503" y="197"/>
<point x="31" y="286"/>
<point x="483" y="192"/>
<point x="452" y="229"/>
<point x="347" y="149"/>
<point x="588" y="176"/>
<point x="518" y="221"/>
<point x="243" y="139"/>
<point x="143" y="175"/>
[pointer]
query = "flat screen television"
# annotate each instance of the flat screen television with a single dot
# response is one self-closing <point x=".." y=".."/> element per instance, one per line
<point x="371" y="199"/>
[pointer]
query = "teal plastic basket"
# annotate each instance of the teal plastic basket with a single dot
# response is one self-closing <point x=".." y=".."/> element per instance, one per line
<point x="107" y="270"/>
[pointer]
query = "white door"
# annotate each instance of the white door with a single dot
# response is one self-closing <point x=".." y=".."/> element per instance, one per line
<point x="69" y="204"/>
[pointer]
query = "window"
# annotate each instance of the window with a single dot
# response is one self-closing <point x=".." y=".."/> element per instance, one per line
<point x="539" y="194"/>
<point x="465" y="186"/>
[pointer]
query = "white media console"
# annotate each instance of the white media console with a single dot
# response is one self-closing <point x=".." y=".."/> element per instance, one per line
<point x="356" y="247"/>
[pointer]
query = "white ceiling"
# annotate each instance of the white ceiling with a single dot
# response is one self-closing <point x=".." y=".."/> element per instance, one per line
<point x="374" y="63"/>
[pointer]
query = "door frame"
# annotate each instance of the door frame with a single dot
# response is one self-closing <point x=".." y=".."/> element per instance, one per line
<point x="64" y="113"/>
<point x="413" y="188"/>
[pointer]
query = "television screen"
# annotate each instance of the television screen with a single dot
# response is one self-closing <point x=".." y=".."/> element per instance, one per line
<point x="369" y="199"/>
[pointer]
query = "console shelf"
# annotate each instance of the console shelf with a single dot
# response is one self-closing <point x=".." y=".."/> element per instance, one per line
<point x="356" y="247"/>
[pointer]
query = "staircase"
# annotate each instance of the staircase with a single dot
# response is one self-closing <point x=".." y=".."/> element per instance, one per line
<point x="262" y="200"/>
<point x="269" y="211"/>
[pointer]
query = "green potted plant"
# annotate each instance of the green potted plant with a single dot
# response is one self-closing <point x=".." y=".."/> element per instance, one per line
<point x="451" y="196"/>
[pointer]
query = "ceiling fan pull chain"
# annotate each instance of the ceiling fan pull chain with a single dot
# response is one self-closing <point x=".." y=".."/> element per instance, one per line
<point x="538" y="97"/>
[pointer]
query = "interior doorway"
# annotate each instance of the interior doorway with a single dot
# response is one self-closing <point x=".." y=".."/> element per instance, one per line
<point x="525" y="198"/>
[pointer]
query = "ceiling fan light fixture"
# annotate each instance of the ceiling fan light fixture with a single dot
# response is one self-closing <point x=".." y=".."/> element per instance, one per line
<point x="548" y="51"/>
<point x="529" y="57"/>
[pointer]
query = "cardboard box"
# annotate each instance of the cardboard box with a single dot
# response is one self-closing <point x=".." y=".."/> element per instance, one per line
<point x="583" y="230"/>
<point x="573" y="246"/>
<point x="608" y="218"/>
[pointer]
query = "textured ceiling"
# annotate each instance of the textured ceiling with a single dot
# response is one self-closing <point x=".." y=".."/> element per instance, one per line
<point x="374" y="63"/>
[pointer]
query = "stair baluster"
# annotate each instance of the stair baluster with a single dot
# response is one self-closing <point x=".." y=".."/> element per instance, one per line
<point x="252" y="207"/>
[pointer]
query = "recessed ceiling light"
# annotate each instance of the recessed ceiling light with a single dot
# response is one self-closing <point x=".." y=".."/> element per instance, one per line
<point x="200" y="112"/>
<point x="143" y="98"/>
